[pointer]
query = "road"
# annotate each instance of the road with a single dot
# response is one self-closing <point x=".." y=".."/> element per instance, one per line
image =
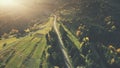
<point x="62" y="47"/>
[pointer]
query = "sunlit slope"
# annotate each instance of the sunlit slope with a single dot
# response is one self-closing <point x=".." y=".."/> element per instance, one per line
<point x="26" y="52"/>
<point x="8" y="41"/>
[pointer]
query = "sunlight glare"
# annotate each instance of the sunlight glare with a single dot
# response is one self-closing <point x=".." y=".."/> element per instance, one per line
<point x="8" y="3"/>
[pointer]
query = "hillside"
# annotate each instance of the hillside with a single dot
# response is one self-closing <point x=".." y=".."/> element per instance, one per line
<point x="64" y="34"/>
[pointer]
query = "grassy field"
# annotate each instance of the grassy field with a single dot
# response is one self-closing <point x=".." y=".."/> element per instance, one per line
<point x="7" y="41"/>
<point x="22" y="52"/>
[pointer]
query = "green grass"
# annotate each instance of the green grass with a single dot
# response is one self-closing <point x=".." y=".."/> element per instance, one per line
<point x="26" y="52"/>
<point x="21" y="54"/>
<point x="72" y="37"/>
<point x="7" y="58"/>
<point x="14" y="45"/>
<point x="48" y="27"/>
<point x="37" y="55"/>
<point x="7" y="41"/>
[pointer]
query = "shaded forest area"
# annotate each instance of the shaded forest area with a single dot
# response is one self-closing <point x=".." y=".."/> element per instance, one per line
<point x="97" y="19"/>
<point x="97" y="24"/>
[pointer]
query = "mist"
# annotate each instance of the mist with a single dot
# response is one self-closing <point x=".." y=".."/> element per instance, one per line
<point x="25" y="14"/>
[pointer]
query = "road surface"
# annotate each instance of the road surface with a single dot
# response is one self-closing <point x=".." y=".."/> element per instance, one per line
<point x="62" y="47"/>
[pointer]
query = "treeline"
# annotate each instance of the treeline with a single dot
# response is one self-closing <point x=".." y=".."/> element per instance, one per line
<point x="17" y="33"/>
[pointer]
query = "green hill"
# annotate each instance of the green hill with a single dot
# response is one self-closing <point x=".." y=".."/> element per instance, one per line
<point x="77" y="34"/>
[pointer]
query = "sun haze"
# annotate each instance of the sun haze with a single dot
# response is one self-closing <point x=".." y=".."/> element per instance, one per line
<point x="8" y="3"/>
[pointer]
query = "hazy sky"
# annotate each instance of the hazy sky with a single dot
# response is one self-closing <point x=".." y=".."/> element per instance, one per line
<point x="24" y="12"/>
